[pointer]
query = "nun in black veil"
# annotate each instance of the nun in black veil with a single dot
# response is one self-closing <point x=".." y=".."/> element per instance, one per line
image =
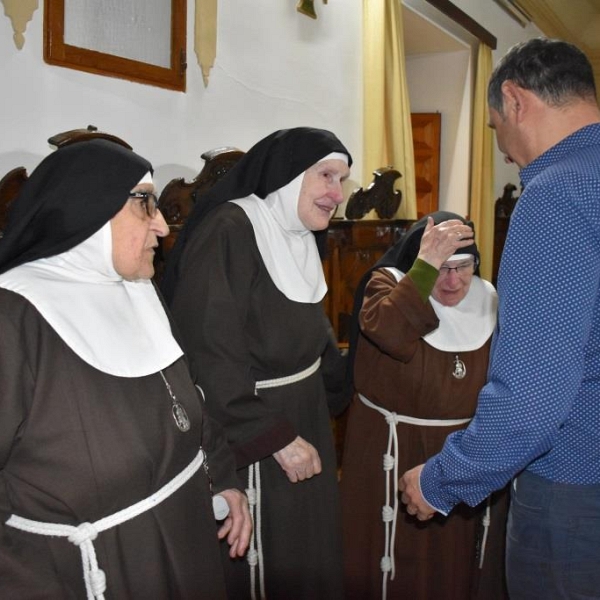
<point x="245" y="283"/>
<point x="419" y="345"/>
<point x="105" y="444"/>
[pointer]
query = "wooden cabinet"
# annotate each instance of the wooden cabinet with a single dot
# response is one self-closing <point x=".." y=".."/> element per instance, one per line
<point x="353" y="247"/>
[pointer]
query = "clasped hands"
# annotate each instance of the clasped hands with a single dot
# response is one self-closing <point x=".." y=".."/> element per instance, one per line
<point x="410" y="488"/>
<point x="299" y="459"/>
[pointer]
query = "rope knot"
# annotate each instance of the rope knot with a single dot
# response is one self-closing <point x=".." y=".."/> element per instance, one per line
<point x="386" y="564"/>
<point x="84" y="532"/>
<point x="388" y="462"/>
<point x="387" y="513"/>
<point x="251" y="493"/>
<point x="391" y="418"/>
<point x="252" y="557"/>
<point x="97" y="582"/>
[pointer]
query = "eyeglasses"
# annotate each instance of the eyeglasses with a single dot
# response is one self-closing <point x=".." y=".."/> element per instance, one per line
<point x="148" y="200"/>
<point x="464" y="268"/>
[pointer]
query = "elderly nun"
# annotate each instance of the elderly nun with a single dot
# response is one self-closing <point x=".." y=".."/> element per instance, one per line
<point x="106" y="453"/>
<point x="245" y="282"/>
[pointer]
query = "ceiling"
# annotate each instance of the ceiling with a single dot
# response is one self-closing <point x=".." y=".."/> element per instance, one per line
<point x="421" y="36"/>
<point x="575" y="21"/>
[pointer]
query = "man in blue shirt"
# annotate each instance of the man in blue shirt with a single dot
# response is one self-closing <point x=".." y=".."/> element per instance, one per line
<point x="538" y="417"/>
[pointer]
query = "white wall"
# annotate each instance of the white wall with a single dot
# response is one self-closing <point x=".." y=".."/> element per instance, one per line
<point x="441" y="83"/>
<point x="275" y="68"/>
<point x="508" y="32"/>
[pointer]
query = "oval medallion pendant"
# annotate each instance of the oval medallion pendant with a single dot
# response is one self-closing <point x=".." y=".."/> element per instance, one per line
<point x="460" y="370"/>
<point x="181" y="419"/>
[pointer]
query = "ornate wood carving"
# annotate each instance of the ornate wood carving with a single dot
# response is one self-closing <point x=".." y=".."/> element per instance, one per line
<point x="178" y="197"/>
<point x="380" y="196"/>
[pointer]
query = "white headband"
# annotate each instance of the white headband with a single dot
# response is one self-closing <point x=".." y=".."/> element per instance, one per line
<point x="459" y="257"/>
<point x="147" y="178"/>
<point x="335" y="156"/>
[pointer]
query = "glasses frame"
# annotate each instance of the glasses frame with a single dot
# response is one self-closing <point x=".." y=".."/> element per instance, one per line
<point x="460" y="270"/>
<point x="144" y="198"/>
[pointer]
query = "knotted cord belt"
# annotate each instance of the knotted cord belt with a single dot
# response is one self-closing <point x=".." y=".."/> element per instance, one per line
<point x="84" y="535"/>
<point x="390" y="462"/>
<point x="255" y="552"/>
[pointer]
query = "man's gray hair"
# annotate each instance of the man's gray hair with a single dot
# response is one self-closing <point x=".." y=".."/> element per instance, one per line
<point x="555" y="71"/>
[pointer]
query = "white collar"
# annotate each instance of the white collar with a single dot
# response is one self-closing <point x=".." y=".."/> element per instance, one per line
<point x="466" y="326"/>
<point x="117" y="326"/>
<point x="287" y="247"/>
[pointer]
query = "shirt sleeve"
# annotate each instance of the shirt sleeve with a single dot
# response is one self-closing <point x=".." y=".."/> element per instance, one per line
<point x="548" y="287"/>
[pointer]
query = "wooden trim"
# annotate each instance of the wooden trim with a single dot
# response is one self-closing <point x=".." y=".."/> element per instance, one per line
<point x="56" y="52"/>
<point x="464" y="20"/>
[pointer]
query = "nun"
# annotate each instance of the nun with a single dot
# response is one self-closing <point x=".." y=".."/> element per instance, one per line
<point x="245" y="283"/>
<point x="420" y="340"/>
<point x="109" y="465"/>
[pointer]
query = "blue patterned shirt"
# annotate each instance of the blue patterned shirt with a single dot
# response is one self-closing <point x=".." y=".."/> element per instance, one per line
<point x="540" y="409"/>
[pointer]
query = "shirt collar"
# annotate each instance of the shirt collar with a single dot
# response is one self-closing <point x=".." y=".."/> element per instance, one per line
<point x="586" y="136"/>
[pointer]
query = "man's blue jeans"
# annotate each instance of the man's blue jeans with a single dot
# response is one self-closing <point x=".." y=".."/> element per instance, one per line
<point x="553" y="540"/>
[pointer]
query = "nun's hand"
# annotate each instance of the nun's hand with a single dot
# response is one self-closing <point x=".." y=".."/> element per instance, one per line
<point x="237" y="526"/>
<point x="299" y="459"/>
<point x="440" y="242"/>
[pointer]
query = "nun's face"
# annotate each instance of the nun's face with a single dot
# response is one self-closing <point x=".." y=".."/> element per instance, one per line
<point x="321" y="193"/>
<point x="135" y="236"/>
<point x="454" y="281"/>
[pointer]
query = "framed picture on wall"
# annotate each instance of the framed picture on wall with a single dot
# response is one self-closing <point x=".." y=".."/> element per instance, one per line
<point x="139" y="40"/>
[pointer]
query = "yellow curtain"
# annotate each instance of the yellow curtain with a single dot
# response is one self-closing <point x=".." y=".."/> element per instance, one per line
<point x="482" y="165"/>
<point x="387" y="127"/>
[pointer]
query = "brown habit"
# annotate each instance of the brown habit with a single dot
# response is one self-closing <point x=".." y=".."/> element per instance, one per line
<point x="240" y="329"/>
<point x="398" y="371"/>
<point x="76" y="445"/>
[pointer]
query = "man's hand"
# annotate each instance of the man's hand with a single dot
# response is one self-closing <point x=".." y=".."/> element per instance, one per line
<point x="411" y="495"/>
<point x="299" y="459"/>
<point x="237" y="526"/>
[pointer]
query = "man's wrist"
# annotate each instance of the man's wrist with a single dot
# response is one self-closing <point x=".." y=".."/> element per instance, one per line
<point x="430" y="490"/>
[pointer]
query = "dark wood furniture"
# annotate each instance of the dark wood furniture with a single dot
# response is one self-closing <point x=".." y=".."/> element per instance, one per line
<point x="352" y="248"/>
<point x="502" y="211"/>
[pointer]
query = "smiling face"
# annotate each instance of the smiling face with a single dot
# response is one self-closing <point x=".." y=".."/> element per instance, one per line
<point x="135" y="236"/>
<point x="321" y="193"/>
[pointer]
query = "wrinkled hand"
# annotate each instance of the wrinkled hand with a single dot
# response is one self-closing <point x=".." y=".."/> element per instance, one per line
<point x="411" y="495"/>
<point x="440" y="242"/>
<point x="299" y="459"/>
<point x="237" y="526"/>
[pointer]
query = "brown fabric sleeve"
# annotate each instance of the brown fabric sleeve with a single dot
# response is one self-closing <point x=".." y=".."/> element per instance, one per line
<point x="393" y="316"/>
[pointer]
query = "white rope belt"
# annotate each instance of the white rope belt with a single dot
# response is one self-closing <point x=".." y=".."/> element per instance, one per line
<point x="390" y="462"/>
<point x="84" y="535"/>
<point x="255" y="553"/>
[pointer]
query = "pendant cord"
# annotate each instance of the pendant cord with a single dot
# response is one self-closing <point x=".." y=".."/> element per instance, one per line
<point x="173" y="397"/>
